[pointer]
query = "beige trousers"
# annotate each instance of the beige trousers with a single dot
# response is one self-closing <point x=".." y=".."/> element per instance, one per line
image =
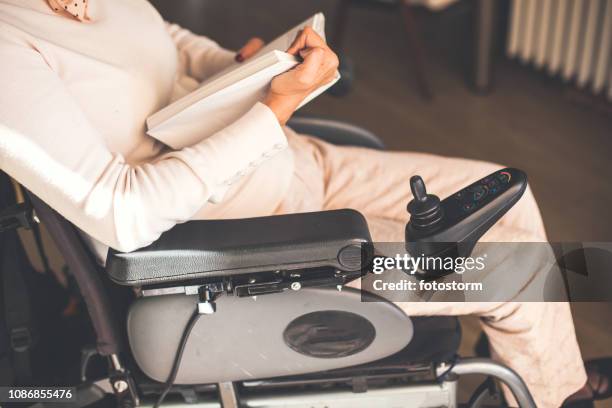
<point x="537" y="340"/>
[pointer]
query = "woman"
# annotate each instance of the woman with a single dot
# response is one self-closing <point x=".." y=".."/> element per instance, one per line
<point x="79" y="79"/>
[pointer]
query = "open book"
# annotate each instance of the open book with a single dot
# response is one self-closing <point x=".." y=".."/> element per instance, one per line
<point x="227" y="96"/>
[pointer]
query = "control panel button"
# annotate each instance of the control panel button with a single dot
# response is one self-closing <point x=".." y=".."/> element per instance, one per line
<point x="468" y="206"/>
<point x="492" y="183"/>
<point x="479" y="192"/>
<point x="504" y="177"/>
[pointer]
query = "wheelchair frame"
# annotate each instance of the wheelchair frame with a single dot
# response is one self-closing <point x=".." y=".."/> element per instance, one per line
<point x="277" y="392"/>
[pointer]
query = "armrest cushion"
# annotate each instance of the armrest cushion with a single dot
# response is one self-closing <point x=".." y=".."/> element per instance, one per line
<point x="215" y="248"/>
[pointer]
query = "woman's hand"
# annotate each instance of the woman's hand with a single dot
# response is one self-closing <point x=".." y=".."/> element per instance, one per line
<point x="249" y="49"/>
<point x="319" y="67"/>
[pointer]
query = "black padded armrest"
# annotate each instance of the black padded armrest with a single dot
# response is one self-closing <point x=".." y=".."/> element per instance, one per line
<point x="214" y="248"/>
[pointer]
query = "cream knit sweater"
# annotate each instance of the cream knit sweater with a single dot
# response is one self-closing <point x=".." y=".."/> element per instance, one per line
<point x="73" y="101"/>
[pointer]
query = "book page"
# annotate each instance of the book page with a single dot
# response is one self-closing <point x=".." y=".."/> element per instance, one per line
<point x="216" y="111"/>
<point x="218" y="83"/>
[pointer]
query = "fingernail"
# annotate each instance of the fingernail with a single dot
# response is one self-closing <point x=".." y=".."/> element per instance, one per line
<point x="239" y="57"/>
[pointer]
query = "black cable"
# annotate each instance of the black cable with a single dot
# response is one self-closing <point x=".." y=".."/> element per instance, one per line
<point x="454" y="360"/>
<point x="177" y="359"/>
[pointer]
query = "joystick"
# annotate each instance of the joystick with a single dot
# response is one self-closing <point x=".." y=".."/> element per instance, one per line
<point x="451" y="227"/>
<point x="425" y="210"/>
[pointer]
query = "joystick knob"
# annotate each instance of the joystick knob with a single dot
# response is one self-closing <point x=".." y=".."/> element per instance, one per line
<point x="425" y="209"/>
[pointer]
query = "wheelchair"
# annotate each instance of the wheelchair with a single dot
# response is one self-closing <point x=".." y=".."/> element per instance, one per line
<point x="255" y="313"/>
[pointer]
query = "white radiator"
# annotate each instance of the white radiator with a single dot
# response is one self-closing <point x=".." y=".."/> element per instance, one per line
<point x="571" y="39"/>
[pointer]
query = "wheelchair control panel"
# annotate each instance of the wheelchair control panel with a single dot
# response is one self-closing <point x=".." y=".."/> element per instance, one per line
<point x="451" y="227"/>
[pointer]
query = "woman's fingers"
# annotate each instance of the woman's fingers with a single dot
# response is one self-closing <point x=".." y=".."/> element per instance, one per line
<point x="249" y="49"/>
<point x="297" y="44"/>
<point x="318" y="67"/>
<point x="306" y="38"/>
<point x="309" y="71"/>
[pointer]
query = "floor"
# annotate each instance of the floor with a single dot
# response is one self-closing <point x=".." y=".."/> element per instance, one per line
<point x="527" y="121"/>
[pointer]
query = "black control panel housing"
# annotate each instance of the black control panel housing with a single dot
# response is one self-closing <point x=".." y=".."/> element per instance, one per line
<point x="464" y="217"/>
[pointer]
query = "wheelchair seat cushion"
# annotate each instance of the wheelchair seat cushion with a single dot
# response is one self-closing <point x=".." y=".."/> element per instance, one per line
<point x="221" y="248"/>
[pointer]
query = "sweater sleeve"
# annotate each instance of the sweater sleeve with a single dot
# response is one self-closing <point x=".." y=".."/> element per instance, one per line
<point x="199" y="56"/>
<point x="48" y="145"/>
